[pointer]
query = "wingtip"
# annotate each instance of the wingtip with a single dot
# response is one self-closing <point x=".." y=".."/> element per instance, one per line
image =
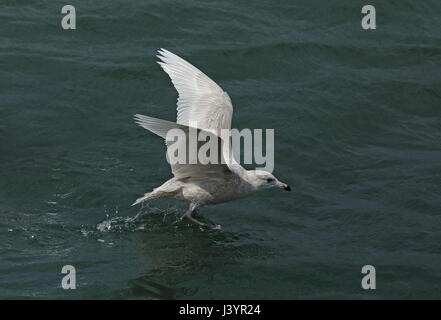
<point x="139" y="119"/>
<point x="162" y="59"/>
<point x="142" y="118"/>
<point x="162" y="53"/>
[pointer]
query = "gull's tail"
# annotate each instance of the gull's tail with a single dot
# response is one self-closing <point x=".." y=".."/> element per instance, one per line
<point x="167" y="190"/>
<point x="145" y="197"/>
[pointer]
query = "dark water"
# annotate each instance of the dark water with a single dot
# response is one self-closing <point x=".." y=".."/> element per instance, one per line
<point x="357" y="118"/>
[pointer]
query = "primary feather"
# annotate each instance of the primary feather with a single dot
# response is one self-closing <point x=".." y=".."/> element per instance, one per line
<point x="200" y="99"/>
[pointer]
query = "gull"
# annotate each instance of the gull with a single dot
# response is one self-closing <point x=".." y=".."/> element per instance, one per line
<point x="201" y="101"/>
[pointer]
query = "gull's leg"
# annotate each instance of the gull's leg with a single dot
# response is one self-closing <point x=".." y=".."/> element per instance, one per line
<point x="189" y="215"/>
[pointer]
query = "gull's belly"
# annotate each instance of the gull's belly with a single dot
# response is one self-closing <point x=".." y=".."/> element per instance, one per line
<point x="211" y="191"/>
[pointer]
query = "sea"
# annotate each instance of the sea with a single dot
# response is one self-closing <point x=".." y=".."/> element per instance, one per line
<point x="357" y="120"/>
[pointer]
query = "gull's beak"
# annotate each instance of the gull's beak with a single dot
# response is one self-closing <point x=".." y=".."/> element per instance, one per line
<point x="284" y="186"/>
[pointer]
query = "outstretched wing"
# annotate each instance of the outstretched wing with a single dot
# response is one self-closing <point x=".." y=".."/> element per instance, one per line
<point x="201" y="102"/>
<point x="222" y="165"/>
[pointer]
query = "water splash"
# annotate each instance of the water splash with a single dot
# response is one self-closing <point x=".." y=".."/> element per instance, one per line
<point x="147" y="218"/>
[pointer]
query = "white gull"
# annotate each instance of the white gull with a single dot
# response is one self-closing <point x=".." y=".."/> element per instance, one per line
<point x="203" y="102"/>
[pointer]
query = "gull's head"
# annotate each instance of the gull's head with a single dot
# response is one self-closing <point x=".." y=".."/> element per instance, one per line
<point x="264" y="180"/>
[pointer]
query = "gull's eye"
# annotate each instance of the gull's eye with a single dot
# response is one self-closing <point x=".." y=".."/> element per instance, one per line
<point x="269" y="180"/>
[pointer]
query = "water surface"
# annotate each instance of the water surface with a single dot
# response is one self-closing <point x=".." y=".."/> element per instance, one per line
<point x="357" y="118"/>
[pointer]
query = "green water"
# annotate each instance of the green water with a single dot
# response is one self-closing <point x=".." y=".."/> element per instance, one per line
<point x="357" y="123"/>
